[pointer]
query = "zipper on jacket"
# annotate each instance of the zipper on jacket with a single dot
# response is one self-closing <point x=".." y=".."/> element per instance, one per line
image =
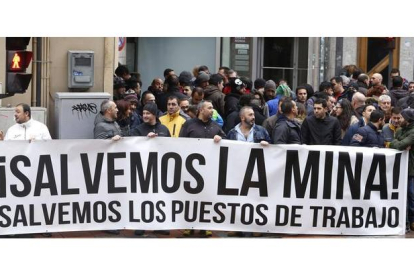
<point x="173" y="130"/>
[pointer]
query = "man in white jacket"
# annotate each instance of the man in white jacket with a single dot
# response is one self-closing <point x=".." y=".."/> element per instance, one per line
<point x="26" y="128"/>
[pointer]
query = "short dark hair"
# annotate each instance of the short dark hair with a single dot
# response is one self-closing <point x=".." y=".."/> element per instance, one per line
<point x="395" y="70"/>
<point x="376" y="115"/>
<point x="170" y="98"/>
<point x="356" y="73"/>
<point x="226" y="69"/>
<point x="203" y="68"/>
<point x="245" y="99"/>
<point x="167" y="71"/>
<point x="131" y="84"/>
<point x="215" y="79"/>
<point x="397" y="81"/>
<point x="121" y="70"/>
<point x="366" y="106"/>
<point x="321" y="101"/>
<point x="172" y="81"/>
<point x="26" y="108"/>
<point x="182" y="100"/>
<point x="299" y="88"/>
<point x="287" y="106"/>
<point x="338" y="80"/>
<point x="396" y="110"/>
<point x="325" y="85"/>
<point x="363" y="77"/>
<point x="197" y="90"/>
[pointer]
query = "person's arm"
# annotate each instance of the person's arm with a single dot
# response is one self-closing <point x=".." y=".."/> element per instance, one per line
<point x="305" y="132"/>
<point x="404" y="143"/>
<point x="184" y="129"/>
<point x="280" y="134"/>
<point x="101" y="133"/>
<point x="337" y="134"/>
<point x="359" y="138"/>
<point x="1" y="135"/>
<point x="46" y="134"/>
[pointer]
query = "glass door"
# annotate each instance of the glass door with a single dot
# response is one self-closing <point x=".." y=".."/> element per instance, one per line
<point x="285" y="58"/>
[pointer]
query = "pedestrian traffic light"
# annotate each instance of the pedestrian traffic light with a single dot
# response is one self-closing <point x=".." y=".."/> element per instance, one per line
<point x="18" y="59"/>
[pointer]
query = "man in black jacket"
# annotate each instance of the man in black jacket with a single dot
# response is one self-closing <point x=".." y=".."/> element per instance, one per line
<point x="287" y="129"/>
<point x="151" y="127"/>
<point x="370" y="135"/>
<point x="214" y="93"/>
<point x="320" y="128"/>
<point x="238" y="88"/>
<point x="203" y="126"/>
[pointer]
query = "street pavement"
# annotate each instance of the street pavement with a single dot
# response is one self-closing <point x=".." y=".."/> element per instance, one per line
<point x="179" y="234"/>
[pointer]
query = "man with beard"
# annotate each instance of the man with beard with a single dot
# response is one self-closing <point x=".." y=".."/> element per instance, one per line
<point x="370" y="135"/>
<point x="26" y="128"/>
<point x="404" y="140"/>
<point x="320" y="128"/>
<point x="248" y="131"/>
<point x="106" y="126"/>
<point x="202" y="127"/>
<point x="156" y="88"/>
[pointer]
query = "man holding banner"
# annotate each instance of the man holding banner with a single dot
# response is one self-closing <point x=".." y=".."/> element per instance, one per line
<point x="404" y="140"/>
<point x="248" y="131"/>
<point x="202" y="127"/>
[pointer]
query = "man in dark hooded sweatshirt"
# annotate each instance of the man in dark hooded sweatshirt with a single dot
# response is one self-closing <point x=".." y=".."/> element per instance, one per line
<point x="397" y="92"/>
<point x="213" y="93"/>
<point x="173" y="89"/>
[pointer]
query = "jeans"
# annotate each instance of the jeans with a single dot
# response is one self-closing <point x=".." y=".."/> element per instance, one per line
<point x="410" y="199"/>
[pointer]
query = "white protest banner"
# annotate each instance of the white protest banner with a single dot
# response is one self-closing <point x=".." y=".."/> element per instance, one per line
<point x="166" y="183"/>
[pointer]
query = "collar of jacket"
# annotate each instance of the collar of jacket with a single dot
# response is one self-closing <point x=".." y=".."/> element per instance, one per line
<point x="174" y="115"/>
<point x="26" y="124"/>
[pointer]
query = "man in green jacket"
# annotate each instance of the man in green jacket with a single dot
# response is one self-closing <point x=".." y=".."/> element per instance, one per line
<point x="404" y="140"/>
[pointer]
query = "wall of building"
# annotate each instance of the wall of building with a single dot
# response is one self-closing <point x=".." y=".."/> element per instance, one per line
<point x="155" y="54"/>
<point x="55" y="68"/>
<point x="104" y="50"/>
<point x="407" y="58"/>
<point x="349" y="51"/>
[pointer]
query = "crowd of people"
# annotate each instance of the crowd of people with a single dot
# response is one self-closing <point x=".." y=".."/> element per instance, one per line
<point x="351" y="109"/>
